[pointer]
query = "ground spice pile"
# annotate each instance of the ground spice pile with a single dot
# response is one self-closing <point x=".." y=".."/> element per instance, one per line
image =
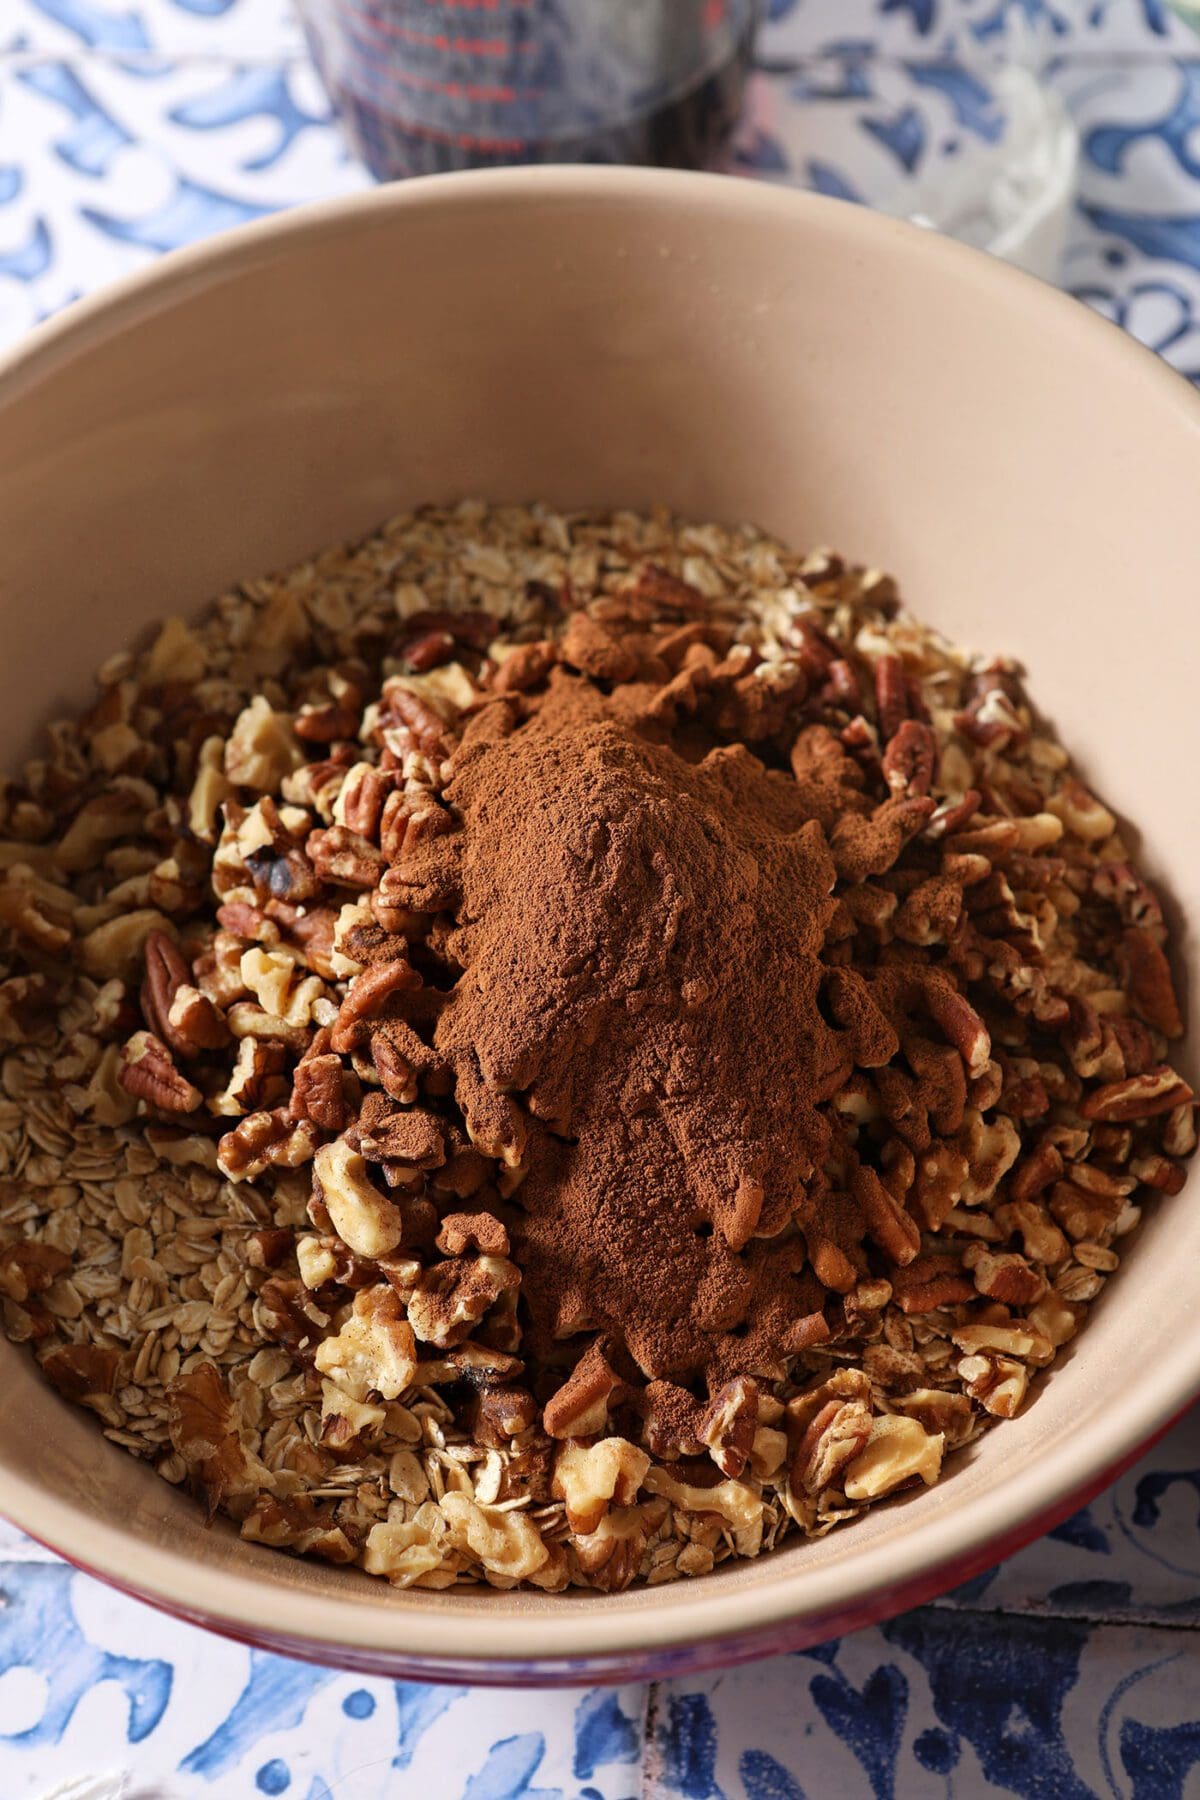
<point x="564" y="1049"/>
<point x="642" y="945"/>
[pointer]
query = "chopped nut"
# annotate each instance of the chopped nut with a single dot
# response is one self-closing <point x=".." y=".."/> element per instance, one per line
<point x="404" y="1551"/>
<point x="898" y="1451"/>
<point x="262" y="748"/>
<point x="997" y="1382"/>
<point x="345" y="1422"/>
<point x="374" y="1352"/>
<point x="590" y="1478"/>
<point x="737" y="1502"/>
<point x="362" y="1217"/>
<point x="452" y="1297"/>
<point x="264" y="1140"/>
<point x="580" y="1407"/>
<point x="148" y="1073"/>
<point x="506" y="1543"/>
<point x="995" y="997"/>
<point x="116" y="950"/>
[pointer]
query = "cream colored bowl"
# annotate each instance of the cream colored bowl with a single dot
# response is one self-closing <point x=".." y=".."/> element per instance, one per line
<point x="607" y="336"/>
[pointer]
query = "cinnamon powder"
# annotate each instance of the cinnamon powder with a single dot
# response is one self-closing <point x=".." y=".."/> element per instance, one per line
<point x="642" y="940"/>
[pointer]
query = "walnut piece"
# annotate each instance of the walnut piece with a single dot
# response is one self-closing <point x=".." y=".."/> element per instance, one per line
<point x="362" y="1217"/>
<point x="374" y="1352"/>
<point x="898" y="1451"/>
<point x="589" y="1478"/>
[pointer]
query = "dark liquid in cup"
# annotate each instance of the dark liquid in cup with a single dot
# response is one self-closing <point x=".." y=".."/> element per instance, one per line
<point x="421" y="88"/>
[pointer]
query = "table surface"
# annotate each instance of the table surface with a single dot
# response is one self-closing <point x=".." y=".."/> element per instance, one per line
<point x="130" y="127"/>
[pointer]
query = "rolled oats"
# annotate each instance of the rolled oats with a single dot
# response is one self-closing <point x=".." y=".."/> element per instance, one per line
<point x="196" y="884"/>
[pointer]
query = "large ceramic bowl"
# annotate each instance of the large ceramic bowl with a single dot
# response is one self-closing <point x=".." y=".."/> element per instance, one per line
<point x="606" y="336"/>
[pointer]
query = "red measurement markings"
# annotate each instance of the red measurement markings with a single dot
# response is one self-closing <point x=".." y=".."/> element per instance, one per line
<point x="437" y="40"/>
<point x="462" y="140"/>
<point x="481" y="5"/>
<point x="362" y="22"/>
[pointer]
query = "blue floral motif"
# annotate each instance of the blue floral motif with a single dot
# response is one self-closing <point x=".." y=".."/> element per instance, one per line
<point x="119" y="32"/>
<point x="1108" y="145"/>
<point x="766" y="1779"/>
<point x="1165" y="316"/>
<point x="921" y="12"/>
<point x="30" y="259"/>
<point x="128" y="127"/>
<point x="418" y="1708"/>
<point x="972" y="101"/>
<point x="870" y="1722"/>
<point x="603" y="1734"/>
<point x="509" y="1770"/>
<point x="1013" y="1724"/>
<point x="38" y="1628"/>
<point x="1082" y="1531"/>
<point x="1159" y="1761"/>
<point x="1165" y="236"/>
<point x="247" y="94"/>
<point x="192" y="212"/>
<point x="691" y="1748"/>
<point x="95" y="137"/>
<point x="274" y="1697"/>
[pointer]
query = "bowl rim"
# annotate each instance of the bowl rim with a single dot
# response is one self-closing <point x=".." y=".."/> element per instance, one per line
<point x="415" y="1634"/>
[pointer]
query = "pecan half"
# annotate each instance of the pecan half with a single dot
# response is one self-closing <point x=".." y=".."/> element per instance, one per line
<point x="148" y="1073"/>
<point x="1159" y="1090"/>
<point x="345" y="858"/>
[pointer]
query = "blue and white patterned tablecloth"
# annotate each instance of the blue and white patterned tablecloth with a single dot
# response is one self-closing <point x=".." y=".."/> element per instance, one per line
<point x="128" y="127"/>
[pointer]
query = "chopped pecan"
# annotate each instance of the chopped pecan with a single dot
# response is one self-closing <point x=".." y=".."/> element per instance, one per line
<point x="78" y="1370"/>
<point x="345" y="858"/>
<point x="1159" y="1090"/>
<point x="203" y="1431"/>
<point x="408" y="721"/>
<point x="728" y="1424"/>
<point x="888" y="1225"/>
<point x="319" y="1093"/>
<point x="932" y="1281"/>
<point x="526" y="667"/>
<point x="453" y="1296"/>
<point x="910" y="759"/>
<point x="998" y="1382"/>
<point x="360" y="802"/>
<point x="503" y="1413"/>
<point x="1005" y="1277"/>
<point x="326" y="723"/>
<point x="667" y="592"/>
<point x="580" y="1408"/>
<point x="266" y="1249"/>
<point x="368" y="998"/>
<point x="265" y="1140"/>
<point x="891" y="697"/>
<point x="1146" y="974"/>
<point x="148" y="1073"/>
<point x="1036" y="1172"/>
<point x="472" y="1231"/>
<point x="28" y="1267"/>
<point x="1179" y="1130"/>
<point x="833" y="1437"/>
